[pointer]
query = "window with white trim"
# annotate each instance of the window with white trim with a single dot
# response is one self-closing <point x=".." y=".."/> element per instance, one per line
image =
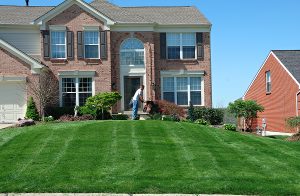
<point x="181" y="45"/>
<point x="91" y="44"/>
<point x="182" y="90"/>
<point x="268" y="82"/>
<point x="75" y="91"/>
<point x="58" y="44"/>
<point x="132" y="52"/>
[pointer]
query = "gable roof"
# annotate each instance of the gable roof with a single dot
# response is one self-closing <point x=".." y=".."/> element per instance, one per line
<point x="21" y="55"/>
<point x="288" y="59"/>
<point x="291" y="60"/>
<point x="169" y="15"/>
<point x="66" y="4"/>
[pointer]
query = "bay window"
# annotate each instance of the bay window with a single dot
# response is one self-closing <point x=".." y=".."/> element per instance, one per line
<point x="58" y="44"/>
<point x="91" y="44"/>
<point x="181" y="45"/>
<point x="182" y="90"/>
<point x="75" y="91"/>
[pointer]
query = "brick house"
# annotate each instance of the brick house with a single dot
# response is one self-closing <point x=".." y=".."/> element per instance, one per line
<point x="276" y="86"/>
<point x="100" y="47"/>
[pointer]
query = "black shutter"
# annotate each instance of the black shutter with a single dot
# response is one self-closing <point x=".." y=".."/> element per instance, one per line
<point x="80" y="45"/>
<point x="163" y="45"/>
<point x="103" y="44"/>
<point x="46" y="43"/>
<point x="200" y="48"/>
<point x="70" y="44"/>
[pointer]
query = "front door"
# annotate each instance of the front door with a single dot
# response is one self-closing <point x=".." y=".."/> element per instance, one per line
<point x="131" y="84"/>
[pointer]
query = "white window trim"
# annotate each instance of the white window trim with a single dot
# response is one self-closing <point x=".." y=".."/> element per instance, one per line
<point x="91" y="30"/>
<point x="181" y="46"/>
<point x="76" y="86"/>
<point x="58" y="44"/>
<point x="268" y="81"/>
<point x="175" y="76"/>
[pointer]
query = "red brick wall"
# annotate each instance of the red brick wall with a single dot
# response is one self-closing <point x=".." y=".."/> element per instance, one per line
<point x="188" y="65"/>
<point x="74" y="18"/>
<point x="281" y="103"/>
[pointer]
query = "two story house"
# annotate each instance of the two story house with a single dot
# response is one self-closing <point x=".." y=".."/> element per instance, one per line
<point x="101" y="47"/>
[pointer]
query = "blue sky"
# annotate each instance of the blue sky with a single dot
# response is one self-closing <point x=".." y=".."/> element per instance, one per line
<point x="243" y="33"/>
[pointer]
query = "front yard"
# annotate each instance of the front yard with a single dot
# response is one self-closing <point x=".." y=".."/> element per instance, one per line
<point x="145" y="157"/>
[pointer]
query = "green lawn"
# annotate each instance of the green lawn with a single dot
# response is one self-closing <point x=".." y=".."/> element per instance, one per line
<point x="145" y="157"/>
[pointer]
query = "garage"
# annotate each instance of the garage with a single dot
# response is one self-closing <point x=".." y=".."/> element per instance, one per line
<point x="12" y="99"/>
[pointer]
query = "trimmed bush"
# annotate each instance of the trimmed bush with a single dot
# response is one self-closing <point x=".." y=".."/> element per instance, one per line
<point x="191" y="113"/>
<point x="173" y="117"/>
<point x="201" y="122"/>
<point x="168" y="108"/>
<point x="213" y="116"/>
<point x="31" y="112"/>
<point x="156" y="116"/>
<point x="230" y="127"/>
<point x="119" y="116"/>
<point x="49" y="119"/>
<point x="57" y="112"/>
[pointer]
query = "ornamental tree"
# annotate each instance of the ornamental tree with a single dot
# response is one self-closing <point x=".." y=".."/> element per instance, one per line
<point x="246" y="109"/>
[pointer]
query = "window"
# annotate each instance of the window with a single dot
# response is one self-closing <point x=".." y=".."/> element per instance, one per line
<point x="268" y="82"/>
<point x="91" y="44"/>
<point x="58" y="44"/>
<point x="181" y="45"/>
<point x="75" y="91"/>
<point x="182" y="90"/>
<point x="132" y="52"/>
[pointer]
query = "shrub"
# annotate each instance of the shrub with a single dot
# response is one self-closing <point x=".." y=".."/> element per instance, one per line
<point x="191" y="113"/>
<point x="119" y="116"/>
<point x="156" y="116"/>
<point x="213" y="116"/>
<point x="49" y="119"/>
<point x="67" y="117"/>
<point x="100" y="103"/>
<point x="31" y="112"/>
<point x="201" y="122"/>
<point x="97" y="114"/>
<point x="230" y="127"/>
<point x="57" y="112"/>
<point x="168" y="108"/>
<point x="172" y="117"/>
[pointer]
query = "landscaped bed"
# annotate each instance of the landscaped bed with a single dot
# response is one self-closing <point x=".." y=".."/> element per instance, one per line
<point x="145" y="157"/>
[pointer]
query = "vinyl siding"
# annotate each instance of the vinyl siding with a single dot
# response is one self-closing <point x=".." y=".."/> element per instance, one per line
<point x="27" y="40"/>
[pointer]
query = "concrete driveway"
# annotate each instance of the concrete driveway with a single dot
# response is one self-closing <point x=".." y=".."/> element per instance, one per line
<point x="2" y="126"/>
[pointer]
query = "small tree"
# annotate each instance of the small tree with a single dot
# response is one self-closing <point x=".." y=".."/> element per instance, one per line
<point x="45" y="89"/>
<point x="247" y="109"/>
<point x="31" y="111"/>
<point x="102" y="102"/>
<point x="293" y="122"/>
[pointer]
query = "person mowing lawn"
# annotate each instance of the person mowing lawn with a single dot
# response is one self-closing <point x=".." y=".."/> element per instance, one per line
<point x="138" y="96"/>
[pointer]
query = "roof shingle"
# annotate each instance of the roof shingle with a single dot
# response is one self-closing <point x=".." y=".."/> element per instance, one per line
<point x="291" y="60"/>
<point x="139" y="15"/>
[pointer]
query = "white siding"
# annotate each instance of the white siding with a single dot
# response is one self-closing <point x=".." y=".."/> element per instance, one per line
<point x="26" y="39"/>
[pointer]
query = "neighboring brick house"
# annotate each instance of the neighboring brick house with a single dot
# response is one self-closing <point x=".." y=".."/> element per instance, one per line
<point x="276" y="86"/>
<point x="100" y="47"/>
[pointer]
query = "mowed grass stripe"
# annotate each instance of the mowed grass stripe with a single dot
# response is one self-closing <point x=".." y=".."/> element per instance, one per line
<point x="145" y="157"/>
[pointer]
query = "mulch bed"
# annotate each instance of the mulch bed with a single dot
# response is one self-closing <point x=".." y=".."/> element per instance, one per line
<point x="294" y="138"/>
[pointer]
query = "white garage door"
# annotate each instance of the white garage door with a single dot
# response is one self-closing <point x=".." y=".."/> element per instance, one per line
<point x="12" y="101"/>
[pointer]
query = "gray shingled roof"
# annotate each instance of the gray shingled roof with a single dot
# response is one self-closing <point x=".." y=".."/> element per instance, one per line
<point x="21" y="14"/>
<point x="170" y="15"/>
<point x="291" y="60"/>
<point x="160" y="15"/>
